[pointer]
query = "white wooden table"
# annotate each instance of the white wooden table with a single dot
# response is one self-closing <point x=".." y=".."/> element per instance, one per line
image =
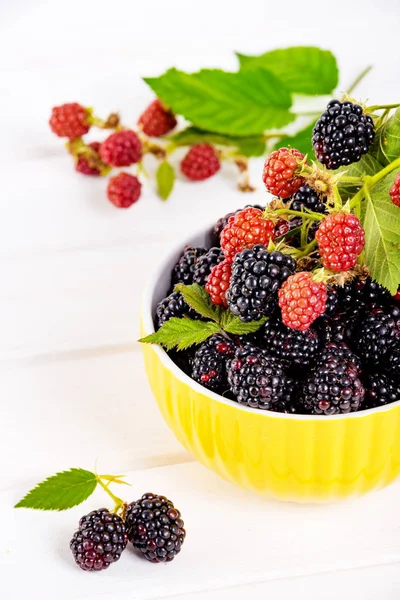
<point x="72" y="383"/>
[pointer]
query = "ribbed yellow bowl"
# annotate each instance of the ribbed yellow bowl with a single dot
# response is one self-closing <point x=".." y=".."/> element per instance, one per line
<point x="292" y="457"/>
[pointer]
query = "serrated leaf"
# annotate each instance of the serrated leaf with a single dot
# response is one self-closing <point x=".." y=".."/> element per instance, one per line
<point x="61" y="491"/>
<point x="302" y="69"/>
<point x="196" y="296"/>
<point x="235" y="326"/>
<point x="368" y="165"/>
<point x="181" y="333"/>
<point x="248" y="146"/>
<point x="165" y="178"/>
<point x="381" y="221"/>
<point x="240" y="104"/>
<point x="300" y="140"/>
<point x="386" y="147"/>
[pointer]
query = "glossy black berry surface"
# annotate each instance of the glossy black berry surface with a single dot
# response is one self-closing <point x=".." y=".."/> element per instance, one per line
<point x="376" y="336"/>
<point x="340" y="351"/>
<point x="209" y="363"/>
<point x="381" y="390"/>
<point x="155" y="528"/>
<point x="99" y="541"/>
<point x="342" y="134"/>
<point x="308" y="198"/>
<point x="183" y="272"/>
<point x="172" y="306"/>
<point x="205" y="263"/>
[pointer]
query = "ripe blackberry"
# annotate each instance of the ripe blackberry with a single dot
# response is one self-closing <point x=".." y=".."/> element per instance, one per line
<point x="183" y="271"/>
<point x="342" y="134"/>
<point x="392" y="362"/>
<point x="99" y="541"/>
<point x="259" y="381"/>
<point x="205" y="263"/>
<point x="306" y="197"/>
<point x="218" y="283"/>
<point x="256" y="278"/>
<point x="223" y="222"/>
<point x="183" y="359"/>
<point x="333" y="388"/>
<point x="362" y="293"/>
<point x="332" y="302"/>
<point x="341" y="351"/>
<point x="338" y="328"/>
<point x="394" y="191"/>
<point x="381" y="390"/>
<point x="295" y="349"/>
<point x="155" y="527"/>
<point x="376" y="335"/>
<point x="157" y="120"/>
<point x="209" y="363"/>
<point x="172" y="306"/>
<point x="200" y="163"/>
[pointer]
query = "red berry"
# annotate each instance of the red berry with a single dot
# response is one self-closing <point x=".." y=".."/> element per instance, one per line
<point x="301" y="300"/>
<point x="218" y="282"/>
<point x="244" y="230"/>
<point x="121" y="149"/>
<point x="86" y="166"/>
<point x="201" y="162"/>
<point x="157" y="120"/>
<point x="280" y="170"/>
<point x="70" y="120"/>
<point x="397" y="295"/>
<point x="395" y="191"/>
<point x="124" y="190"/>
<point x="340" y="239"/>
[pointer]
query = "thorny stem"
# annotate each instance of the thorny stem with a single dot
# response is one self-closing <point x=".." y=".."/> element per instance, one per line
<point x="297" y="213"/>
<point x="357" y="80"/>
<point x="118" y="501"/>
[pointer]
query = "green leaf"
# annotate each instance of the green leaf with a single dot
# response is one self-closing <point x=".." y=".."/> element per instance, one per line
<point x="235" y="326"/>
<point x="300" y="140"/>
<point x="240" y="104"/>
<point x="61" y="491"/>
<point x="386" y="147"/>
<point x="165" y="177"/>
<point x="302" y="69"/>
<point x="248" y="146"/>
<point x="381" y="221"/>
<point x="368" y="165"/>
<point x="196" y="296"/>
<point x="181" y="333"/>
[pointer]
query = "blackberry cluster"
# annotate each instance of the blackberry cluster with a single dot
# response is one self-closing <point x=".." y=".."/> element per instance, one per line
<point x="209" y="362"/>
<point x="340" y="351"/>
<point x="183" y="272"/>
<point x="259" y="381"/>
<point x="334" y="387"/>
<point x="360" y="294"/>
<point x="295" y="349"/>
<point x="338" y="328"/>
<point x="381" y="390"/>
<point x="306" y="197"/>
<point x="332" y="302"/>
<point x="99" y="541"/>
<point x="205" y="263"/>
<point x="256" y="278"/>
<point x="376" y="337"/>
<point x="172" y="306"/>
<point x="155" y="528"/>
<point x="223" y="222"/>
<point x="342" y="134"/>
<point x="392" y="363"/>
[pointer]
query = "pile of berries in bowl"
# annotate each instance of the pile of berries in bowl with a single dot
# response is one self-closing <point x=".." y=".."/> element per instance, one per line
<point x="275" y="311"/>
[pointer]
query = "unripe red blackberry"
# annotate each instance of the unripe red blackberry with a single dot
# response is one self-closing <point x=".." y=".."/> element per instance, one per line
<point x="342" y="134"/>
<point x="209" y="362"/>
<point x="70" y="120"/>
<point x="157" y="120"/>
<point x="394" y="191"/>
<point x="155" y="528"/>
<point x="92" y="165"/>
<point x="302" y="300"/>
<point x="218" y="282"/>
<point x="223" y="222"/>
<point x="99" y="541"/>
<point x="123" y="190"/>
<point x="340" y="240"/>
<point x="281" y="172"/>
<point x="121" y="149"/>
<point x="201" y="162"/>
<point x="246" y="229"/>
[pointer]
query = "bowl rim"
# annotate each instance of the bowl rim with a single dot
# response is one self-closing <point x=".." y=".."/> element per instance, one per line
<point x="148" y="325"/>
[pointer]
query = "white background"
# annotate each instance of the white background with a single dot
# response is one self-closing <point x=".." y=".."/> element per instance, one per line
<point x="72" y="385"/>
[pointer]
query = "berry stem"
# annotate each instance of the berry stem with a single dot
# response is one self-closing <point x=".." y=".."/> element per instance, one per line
<point x="118" y="501"/>
<point x="382" y="106"/>
<point x="307" y="249"/>
<point x="310" y="215"/>
<point x="370" y="182"/>
<point x="357" y="80"/>
<point x="352" y="180"/>
<point x="338" y="198"/>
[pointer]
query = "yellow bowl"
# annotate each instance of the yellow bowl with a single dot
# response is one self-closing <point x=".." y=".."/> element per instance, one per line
<point x="291" y="457"/>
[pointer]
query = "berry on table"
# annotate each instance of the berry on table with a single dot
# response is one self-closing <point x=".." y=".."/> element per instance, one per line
<point x="256" y="278"/>
<point x="172" y="306"/>
<point x="157" y="120"/>
<point x="340" y="240"/>
<point x="394" y="191"/>
<point x="183" y="271"/>
<point x="333" y="387"/>
<point x="280" y="173"/>
<point x="295" y="349"/>
<point x="90" y="165"/>
<point x="209" y="362"/>
<point x="123" y="190"/>
<point x="99" y="541"/>
<point x="155" y="528"/>
<point x="342" y="134"/>
<point x="218" y="282"/>
<point x="70" y="120"/>
<point x="259" y="381"/>
<point x="205" y="264"/>
<point x="201" y="162"/>
<point x="121" y="149"/>
<point x="302" y="300"/>
<point x="244" y="230"/>
<point x="381" y="390"/>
